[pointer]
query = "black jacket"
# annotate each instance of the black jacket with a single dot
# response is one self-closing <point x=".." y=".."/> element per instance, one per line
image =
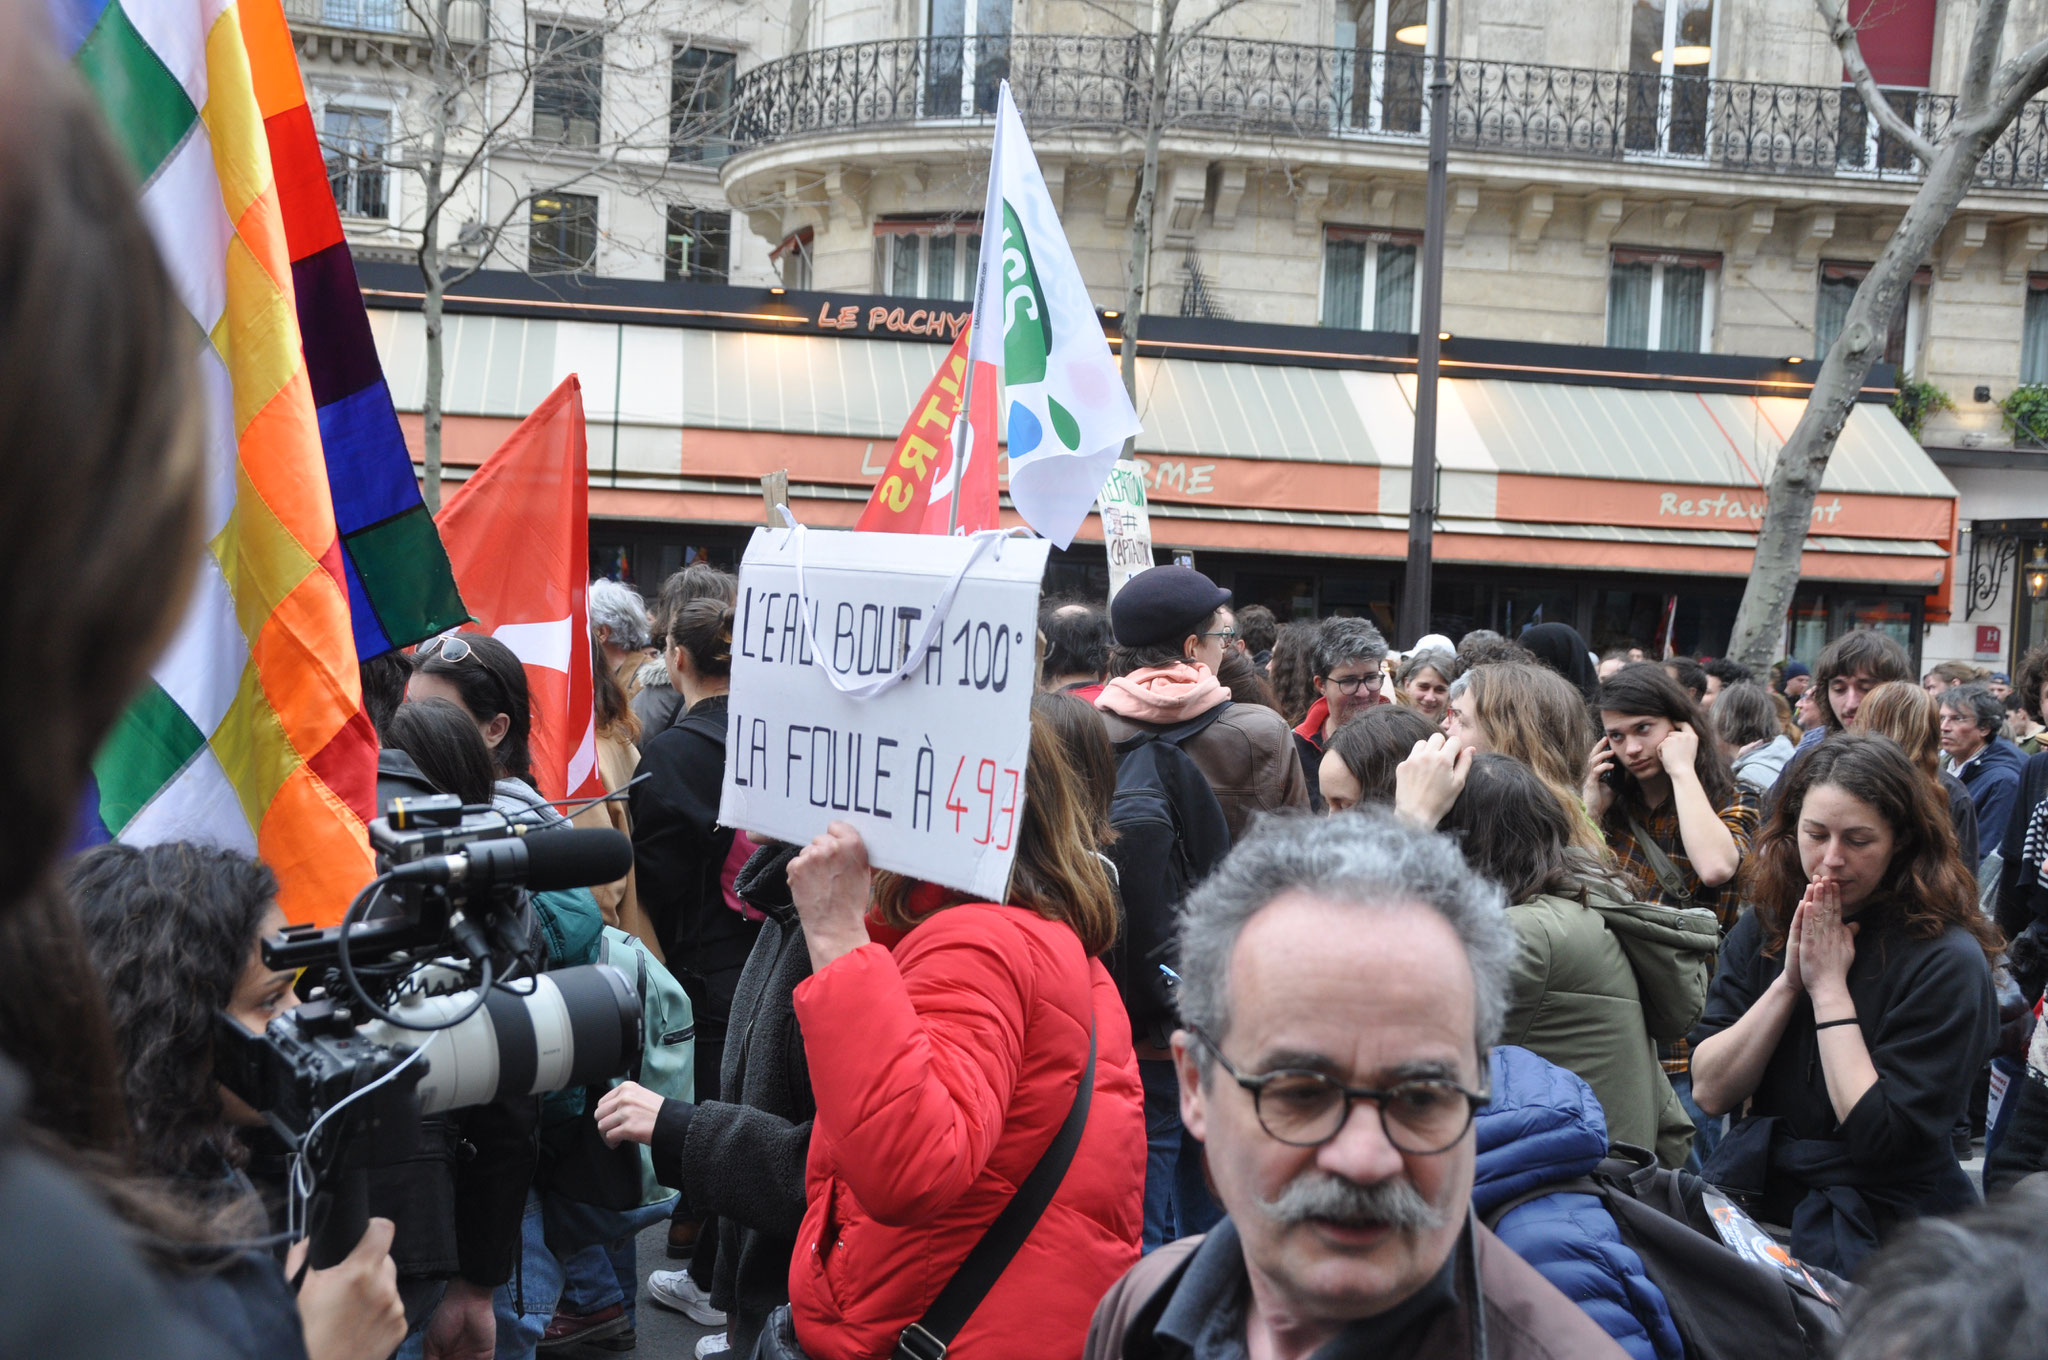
<point x="679" y="848"/>
<point x="1930" y="1019"/>
<point x="74" y="1286"/>
<point x="741" y="1158"/>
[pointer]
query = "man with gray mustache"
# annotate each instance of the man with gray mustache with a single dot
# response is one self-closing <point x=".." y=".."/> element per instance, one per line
<point x="1342" y="982"/>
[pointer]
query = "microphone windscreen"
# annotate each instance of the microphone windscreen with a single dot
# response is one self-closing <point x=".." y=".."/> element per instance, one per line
<point x="576" y="857"/>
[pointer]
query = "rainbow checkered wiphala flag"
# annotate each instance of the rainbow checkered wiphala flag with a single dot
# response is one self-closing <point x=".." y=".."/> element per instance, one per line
<point x="250" y="733"/>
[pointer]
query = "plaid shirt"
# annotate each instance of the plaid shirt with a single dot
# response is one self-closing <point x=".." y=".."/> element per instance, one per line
<point x="1741" y="816"/>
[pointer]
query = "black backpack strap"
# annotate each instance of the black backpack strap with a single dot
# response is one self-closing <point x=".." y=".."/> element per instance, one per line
<point x="1195" y="726"/>
<point x="930" y="1335"/>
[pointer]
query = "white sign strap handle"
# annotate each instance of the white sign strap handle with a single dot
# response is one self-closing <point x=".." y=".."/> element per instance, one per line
<point x="934" y="623"/>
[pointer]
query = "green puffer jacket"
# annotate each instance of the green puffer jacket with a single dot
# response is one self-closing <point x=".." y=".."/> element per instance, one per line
<point x="1594" y="988"/>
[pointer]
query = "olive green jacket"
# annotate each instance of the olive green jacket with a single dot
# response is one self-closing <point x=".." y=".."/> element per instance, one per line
<point x="1594" y="989"/>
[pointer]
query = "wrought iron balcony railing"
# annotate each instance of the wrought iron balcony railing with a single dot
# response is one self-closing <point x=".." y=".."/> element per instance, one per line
<point x="1249" y="88"/>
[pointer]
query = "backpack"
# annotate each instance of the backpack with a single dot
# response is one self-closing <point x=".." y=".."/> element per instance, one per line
<point x="1733" y="1292"/>
<point x="580" y="1166"/>
<point x="1170" y="832"/>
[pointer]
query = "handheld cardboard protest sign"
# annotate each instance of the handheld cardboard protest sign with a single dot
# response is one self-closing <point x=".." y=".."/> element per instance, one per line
<point x="1126" y="524"/>
<point x="929" y="766"/>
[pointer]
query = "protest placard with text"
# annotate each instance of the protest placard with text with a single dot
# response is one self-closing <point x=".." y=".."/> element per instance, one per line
<point x="1126" y="523"/>
<point x="931" y="768"/>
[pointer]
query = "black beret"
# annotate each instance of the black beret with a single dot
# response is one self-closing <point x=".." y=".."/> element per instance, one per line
<point x="1163" y="605"/>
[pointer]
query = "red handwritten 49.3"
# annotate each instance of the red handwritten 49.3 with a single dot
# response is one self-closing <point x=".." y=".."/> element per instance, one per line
<point x="988" y="778"/>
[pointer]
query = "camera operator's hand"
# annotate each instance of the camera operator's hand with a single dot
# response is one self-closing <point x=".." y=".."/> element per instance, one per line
<point x="463" y="1327"/>
<point x="352" y="1311"/>
<point x="627" y="1113"/>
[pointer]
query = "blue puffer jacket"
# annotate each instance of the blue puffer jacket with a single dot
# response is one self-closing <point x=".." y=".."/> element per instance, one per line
<point x="1542" y="1126"/>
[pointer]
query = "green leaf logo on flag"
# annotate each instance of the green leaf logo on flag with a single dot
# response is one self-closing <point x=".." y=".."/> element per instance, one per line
<point x="1027" y="341"/>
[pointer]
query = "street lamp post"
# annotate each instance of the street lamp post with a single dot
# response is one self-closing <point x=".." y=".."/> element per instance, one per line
<point x="1422" y="507"/>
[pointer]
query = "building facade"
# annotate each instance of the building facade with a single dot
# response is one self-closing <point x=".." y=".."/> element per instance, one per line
<point x="1679" y="194"/>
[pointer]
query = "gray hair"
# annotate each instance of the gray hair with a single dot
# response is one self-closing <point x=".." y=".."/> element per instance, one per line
<point x="1968" y="1288"/>
<point x="617" y="606"/>
<point x="1432" y="659"/>
<point x="1978" y="704"/>
<point x="1369" y="860"/>
<point x="1458" y="687"/>
<point x="1345" y="639"/>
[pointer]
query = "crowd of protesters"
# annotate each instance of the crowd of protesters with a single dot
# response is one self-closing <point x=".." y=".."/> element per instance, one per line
<point x="1431" y="976"/>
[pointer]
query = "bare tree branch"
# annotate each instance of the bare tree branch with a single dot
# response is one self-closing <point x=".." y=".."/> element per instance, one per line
<point x="1844" y="35"/>
<point x="2019" y="80"/>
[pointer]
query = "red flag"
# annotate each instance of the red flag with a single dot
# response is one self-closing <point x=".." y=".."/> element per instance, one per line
<point x="978" y="500"/>
<point x="913" y="496"/>
<point x="518" y="534"/>
<point x="897" y="504"/>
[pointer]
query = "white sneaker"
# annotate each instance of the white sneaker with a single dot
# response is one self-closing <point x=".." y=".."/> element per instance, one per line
<point x="714" y="1344"/>
<point x="675" y="1289"/>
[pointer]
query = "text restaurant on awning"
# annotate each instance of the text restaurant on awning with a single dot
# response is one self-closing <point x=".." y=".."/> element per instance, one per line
<point x="1576" y="484"/>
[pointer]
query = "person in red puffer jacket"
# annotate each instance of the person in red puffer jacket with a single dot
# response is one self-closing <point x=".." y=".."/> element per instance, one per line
<point x="946" y="1040"/>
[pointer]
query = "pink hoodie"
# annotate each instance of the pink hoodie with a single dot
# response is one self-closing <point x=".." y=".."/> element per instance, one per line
<point x="1163" y="694"/>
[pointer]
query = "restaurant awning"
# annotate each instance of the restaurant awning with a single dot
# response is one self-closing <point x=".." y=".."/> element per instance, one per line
<point x="1264" y="457"/>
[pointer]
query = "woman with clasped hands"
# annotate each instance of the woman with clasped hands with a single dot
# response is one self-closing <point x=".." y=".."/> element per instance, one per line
<point x="946" y="1038"/>
<point x="1852" y="1010"/>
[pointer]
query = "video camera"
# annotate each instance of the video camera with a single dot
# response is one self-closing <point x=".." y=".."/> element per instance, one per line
<point x="411" y="1010"/>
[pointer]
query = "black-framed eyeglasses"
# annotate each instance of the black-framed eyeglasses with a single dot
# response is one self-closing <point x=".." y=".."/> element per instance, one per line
<point x="1304" y="1108"/>
<point x="1225" y="633"/>
<point x="1353" y="683"/>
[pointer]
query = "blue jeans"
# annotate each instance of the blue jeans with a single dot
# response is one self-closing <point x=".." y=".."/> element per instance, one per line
<point x="1177" y="1199"/>
<point x="1707" y="1129"/>
<point x="572" y="1256"/>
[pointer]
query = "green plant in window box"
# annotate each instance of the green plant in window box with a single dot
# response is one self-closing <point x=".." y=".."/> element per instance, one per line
<point x="2026" y="414"/>
<point x="1918" y="400"/>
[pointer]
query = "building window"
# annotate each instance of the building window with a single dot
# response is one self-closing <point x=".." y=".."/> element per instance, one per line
<point x="1661" y="300"/>
<point x="1838" y="283"/>
<point x="700" y="105"/>
<point x="2034" y="332"/>
<point x="355" y="140"/>
<point x="699" y="246"/>
<point x="568" y="84"/>
<point x="1369" y="279"/>
<point x="927" y="259"/>
<point x="793" y="258"/>
<point x="563" y="233"/>
<point x="1670" y="57"/>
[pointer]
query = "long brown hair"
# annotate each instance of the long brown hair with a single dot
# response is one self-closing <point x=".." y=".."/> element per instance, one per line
<point x="1291" y="669"/>
<point x="1057" y="872"/>
<point x="1532" y="713"/>
<point x="615" y="716"/>
<point x="1910" y="716"/>
<point x="1927" y="886"/>
<point x="1646" y="690"/>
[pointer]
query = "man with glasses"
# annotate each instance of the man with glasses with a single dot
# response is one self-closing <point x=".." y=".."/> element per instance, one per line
<point x="1350" y="676"/>
<point x="1342" y="983"/>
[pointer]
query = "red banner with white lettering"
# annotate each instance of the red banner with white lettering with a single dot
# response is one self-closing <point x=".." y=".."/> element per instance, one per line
<point x="913" y="494"/>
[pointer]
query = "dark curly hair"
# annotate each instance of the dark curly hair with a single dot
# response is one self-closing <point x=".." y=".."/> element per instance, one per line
<point x="2029" y="678"/>
<point x="170" y="928"/>
<point x="1927" y="886"/>
<point x="1292" y="670"/>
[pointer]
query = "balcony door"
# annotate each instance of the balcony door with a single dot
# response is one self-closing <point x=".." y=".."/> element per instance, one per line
<point x="963" y="36"/>
<point x="1382" y="46"/>
<point x="1670" y="65"/>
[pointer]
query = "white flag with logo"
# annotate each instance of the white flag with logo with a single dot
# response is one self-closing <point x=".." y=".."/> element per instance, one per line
<point x="1067" y="409"/>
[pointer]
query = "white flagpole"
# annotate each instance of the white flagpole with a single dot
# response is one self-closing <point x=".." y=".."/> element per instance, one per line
<point x="991" y="231"/>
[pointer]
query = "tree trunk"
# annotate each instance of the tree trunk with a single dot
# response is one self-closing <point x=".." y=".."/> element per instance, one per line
<point x="1138" y="272"/>
<point x="433" y="277"/>
<point x="1758" y="636"/>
